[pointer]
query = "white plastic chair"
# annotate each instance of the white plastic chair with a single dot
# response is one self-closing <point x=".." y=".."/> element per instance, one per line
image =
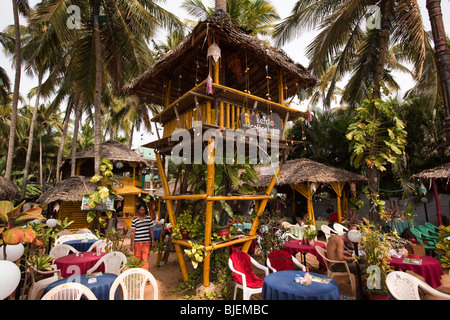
<point x="339" y="228"/>
<point x="327" y="231"/>
<point x="247" y="292"/>
<point x="114" y="263"/>
<point x="404" y="286"/>
<point x="83" y="231"/>
<point x="69" y="291"/>
<point x="330" y="273"/>
<point x="64" y="233"/>
<point x="132" y="283"/>
<point x="102" y="244"/>
<point x="61" y="250"/>
<point x="64" y="238"/>
<point x="38" y="285"/>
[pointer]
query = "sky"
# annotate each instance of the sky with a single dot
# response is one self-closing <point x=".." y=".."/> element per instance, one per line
<point x="295" y="49"/>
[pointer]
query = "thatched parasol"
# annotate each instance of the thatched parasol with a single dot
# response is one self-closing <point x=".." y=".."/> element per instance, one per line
<point x="304" y="175"/>
<point x="439" y="172"/>
<point x="8" y="190"/>
<point x="304" y="170"/>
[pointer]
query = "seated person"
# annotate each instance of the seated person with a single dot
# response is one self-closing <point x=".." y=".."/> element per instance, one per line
<point x="336" y="251"/>
<point x="332" y="216"/>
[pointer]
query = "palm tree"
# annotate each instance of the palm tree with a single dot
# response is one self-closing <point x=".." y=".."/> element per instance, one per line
<point x="342" y="36"/>
<point x="442" y="55"/>
<point x="109" y="48"/>
<point x="22" y="6"/>
<point x="255" y="16"/>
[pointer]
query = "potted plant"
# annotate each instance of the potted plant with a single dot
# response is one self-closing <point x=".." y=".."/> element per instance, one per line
<point x="376" y="260"/>
<point x="184" y="221"/>
<point x="311" y="234"/>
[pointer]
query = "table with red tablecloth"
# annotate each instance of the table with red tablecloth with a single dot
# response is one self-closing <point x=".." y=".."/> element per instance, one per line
<point x="73" y="264"/>
<point x="294" y="246"/>
<point x="430" y="269"/>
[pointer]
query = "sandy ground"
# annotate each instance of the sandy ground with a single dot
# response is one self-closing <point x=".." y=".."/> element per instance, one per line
<point x="168" y="276"/>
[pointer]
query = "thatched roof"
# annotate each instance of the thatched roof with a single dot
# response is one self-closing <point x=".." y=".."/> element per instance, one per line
<point x="112" y="150"/>
<point x="440" y="172"/>
<point x="186" y="65"/>
<point x="68" y="190"/>
<point x="8" y="190"/>
<point x="303" y="170"/>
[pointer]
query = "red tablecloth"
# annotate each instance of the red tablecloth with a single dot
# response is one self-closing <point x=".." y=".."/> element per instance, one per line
<point x="84" y="263"/>
<point x="294" y="246"/>
<point x="430" y="269"/>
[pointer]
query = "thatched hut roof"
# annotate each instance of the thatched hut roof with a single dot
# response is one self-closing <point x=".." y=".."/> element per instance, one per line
<point x="440" y="172"/>
<point x="112" y="150"/>
<point x="186" y="65"/>
<point x="304" y="170"/>
<point x="8" y="190"/>
<point x="70" y="190"/>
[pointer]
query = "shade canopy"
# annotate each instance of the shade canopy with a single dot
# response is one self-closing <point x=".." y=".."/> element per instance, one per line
<point x="300" y="171"/>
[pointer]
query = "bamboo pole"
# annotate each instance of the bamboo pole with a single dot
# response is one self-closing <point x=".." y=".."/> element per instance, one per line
<point x="261" y="207"/>
<point x="338" y="187"/>
<point x="208" y="112"/>
<point x="186" y="197"/>
<point x="227" y="116"/>
<point x="222" y="114"/>
<point x="209" y="210"/>
<point x="215" y="246"/>
<point x="171" y="213"/>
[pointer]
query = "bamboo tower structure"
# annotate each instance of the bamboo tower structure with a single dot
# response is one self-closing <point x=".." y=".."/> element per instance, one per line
<point x="223" y="79"/>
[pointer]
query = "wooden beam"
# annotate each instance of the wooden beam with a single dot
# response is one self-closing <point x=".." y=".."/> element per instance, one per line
<point x="171" y="213"/>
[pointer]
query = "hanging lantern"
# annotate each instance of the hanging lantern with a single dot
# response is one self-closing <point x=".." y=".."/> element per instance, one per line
<point x="214" y="52"/>
<point x="209" y="87"/>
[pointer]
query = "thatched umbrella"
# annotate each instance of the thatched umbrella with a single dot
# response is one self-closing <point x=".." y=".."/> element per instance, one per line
<point x="8" y="190"/>
<point x="440" y="172"/>
<point x="304" y="176"/>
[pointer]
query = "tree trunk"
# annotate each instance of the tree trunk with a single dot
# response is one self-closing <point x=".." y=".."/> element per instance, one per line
<point x="383" y="47"/>
<point x="78" y="113"/>
<point x="373" y="173"/>
<point x="15" y="102"/>
<point x="98" y="90"/>
<point x="63" y="138"/>
<point x="30" y="138"/>
<point x="442" y="57"/>
<point x="221" y="8"/>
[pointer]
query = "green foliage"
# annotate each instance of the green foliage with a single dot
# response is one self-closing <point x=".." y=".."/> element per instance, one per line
<point x="13" y="221"/>
<point x="271" y="239"/>
<point x="41" y="262"/>
<point x="443" y="246"/>
<point x="377" y="135"/>
<point x="135" y="262"/>
<point x="376" y="249"/>
<point x="103" y="191"/>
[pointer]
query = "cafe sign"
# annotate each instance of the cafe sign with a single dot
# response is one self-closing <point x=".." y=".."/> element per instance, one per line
<point x="262" y="123"/>
<point x="107" y="205"/>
